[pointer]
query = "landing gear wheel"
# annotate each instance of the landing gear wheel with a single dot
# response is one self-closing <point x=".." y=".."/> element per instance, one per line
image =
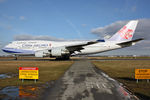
<point x="63" y="58"/>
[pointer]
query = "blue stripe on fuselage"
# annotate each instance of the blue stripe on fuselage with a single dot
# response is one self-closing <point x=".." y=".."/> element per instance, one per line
<point x="17" y="51"/>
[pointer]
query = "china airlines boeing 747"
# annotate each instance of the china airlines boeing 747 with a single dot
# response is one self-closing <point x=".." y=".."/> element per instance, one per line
<point x="121" y="39"/>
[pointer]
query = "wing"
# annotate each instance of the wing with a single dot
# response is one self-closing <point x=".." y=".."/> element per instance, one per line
<point x="64" y="50"/>
<point x="78" y="47"/>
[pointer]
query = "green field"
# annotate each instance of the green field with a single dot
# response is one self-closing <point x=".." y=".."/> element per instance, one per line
<point x="48" y="70"/>
<point x="113" y="57"/>
<point x="123" y="71"/>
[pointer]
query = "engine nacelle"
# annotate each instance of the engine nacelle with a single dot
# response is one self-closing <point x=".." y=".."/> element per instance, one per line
<point x="59" y="52"/>
<point x="42" y="53"/>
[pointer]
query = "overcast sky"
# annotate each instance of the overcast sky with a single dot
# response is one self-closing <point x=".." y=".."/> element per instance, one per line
<point x="74" y="19"/>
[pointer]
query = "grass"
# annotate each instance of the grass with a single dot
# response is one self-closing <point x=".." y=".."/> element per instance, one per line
<point x="99" y="58"/>
<point x="123" y="71"/>
<point x="48" y="70"/>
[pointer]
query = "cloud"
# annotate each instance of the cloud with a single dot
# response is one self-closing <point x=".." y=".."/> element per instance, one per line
<point x="32" y="37"/>
<point x="109" y="29"/>
<point x="22" y="18"/>
<point x="143" y="45"/>
<point x="142" y="30"/>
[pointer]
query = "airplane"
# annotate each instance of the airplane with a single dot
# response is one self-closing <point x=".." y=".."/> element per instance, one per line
<point x="65" y="49"/>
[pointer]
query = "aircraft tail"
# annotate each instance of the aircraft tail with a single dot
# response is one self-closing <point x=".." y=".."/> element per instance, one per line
<point x="126" y="33"/>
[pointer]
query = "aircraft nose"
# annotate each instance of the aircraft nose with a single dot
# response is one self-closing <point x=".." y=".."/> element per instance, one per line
<point x="4" y="49"/>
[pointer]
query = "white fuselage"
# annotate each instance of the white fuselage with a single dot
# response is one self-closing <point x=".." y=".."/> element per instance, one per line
<point x="30" y="47"/>
<point x="120" y="39"/>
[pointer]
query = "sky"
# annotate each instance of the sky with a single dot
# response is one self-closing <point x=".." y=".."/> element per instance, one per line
<point x="74" y="20"/>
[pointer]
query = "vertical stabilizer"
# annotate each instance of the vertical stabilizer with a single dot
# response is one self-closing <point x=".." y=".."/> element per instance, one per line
<point x="126" y="33"/>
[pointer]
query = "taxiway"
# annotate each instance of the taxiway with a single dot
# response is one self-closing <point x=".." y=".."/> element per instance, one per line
<point x="83" y="81"/>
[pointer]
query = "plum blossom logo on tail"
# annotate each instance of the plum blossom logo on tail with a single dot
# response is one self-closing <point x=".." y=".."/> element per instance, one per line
<point x="125" y="33"/>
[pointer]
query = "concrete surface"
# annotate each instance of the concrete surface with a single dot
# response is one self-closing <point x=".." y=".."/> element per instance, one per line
<point x="84" y="82"/>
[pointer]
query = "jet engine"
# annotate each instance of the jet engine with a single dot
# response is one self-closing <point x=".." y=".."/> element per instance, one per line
<point x="42" y="53"/>
<point x="59" y="52"/>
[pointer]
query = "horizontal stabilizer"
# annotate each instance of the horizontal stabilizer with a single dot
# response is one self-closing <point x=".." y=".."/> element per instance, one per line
<point x="130" y="42"/>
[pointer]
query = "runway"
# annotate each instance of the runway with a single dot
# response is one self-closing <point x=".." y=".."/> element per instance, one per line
<point x="85" y="82"/>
